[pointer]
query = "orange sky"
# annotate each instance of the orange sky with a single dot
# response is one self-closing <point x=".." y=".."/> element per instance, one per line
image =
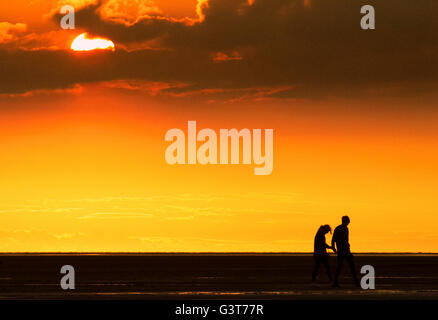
<point x="87" y="173"/>
<point x="83" y="168"/>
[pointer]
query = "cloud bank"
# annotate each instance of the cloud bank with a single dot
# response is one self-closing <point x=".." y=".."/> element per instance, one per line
<point x="314" y="48"/>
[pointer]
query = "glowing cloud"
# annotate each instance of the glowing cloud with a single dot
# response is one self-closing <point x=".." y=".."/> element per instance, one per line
<point x="81" y="43"/>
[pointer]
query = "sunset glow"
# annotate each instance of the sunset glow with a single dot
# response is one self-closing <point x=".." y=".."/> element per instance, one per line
<point x="81" y="43"/>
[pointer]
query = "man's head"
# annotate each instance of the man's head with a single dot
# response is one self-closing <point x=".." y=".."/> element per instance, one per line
<point x="345" y="220"/>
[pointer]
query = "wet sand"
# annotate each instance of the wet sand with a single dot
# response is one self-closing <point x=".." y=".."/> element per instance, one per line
<point x="211" y="276"/>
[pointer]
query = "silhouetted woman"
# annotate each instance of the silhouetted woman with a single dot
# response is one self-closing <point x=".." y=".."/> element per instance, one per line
<point x="320" y="254"/>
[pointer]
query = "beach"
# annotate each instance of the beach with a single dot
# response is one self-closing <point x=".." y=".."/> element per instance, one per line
<point x="212" y="276"/>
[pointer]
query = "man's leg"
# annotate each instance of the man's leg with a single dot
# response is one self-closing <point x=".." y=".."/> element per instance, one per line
<point x="338" y="269"/>
<point x="315" y="270"/>
<point x="350" y="259"/>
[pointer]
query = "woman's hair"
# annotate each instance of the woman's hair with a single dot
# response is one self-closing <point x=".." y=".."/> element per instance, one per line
<point x="325" y="228"/>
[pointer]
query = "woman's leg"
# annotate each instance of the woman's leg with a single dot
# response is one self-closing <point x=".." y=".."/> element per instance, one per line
<point x="327" y="268"/>
<point x="315" y="270"/>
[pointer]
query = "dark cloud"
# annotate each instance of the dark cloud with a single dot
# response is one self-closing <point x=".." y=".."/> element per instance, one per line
<point x="316" y="49"/>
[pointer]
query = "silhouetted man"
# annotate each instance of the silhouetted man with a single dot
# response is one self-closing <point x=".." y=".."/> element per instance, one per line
<point x="340" y="239"/>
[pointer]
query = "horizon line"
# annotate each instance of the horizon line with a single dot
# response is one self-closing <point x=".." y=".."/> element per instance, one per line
<point x="192" y="252"/>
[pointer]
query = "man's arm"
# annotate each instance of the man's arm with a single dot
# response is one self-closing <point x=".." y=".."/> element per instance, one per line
<point x="333" y="241"/>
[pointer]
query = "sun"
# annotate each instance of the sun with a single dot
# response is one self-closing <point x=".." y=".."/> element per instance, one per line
<point x="81" y="43"/>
